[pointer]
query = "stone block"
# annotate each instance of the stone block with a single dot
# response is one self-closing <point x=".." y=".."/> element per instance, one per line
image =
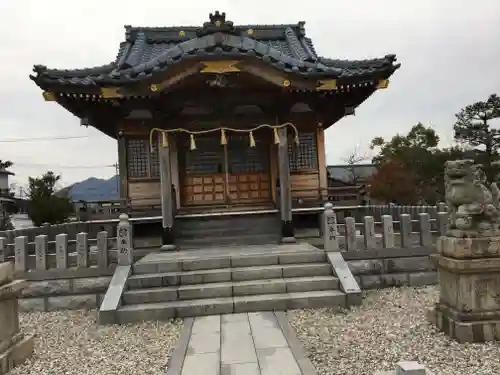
<point x="469" y="248"/>
<point x="91" y="285"/>
<point x="277" y="361"/>
<point x="31" y="304"/>
<point x="394" y="280"/>
<point x="423" y="278"/>
<point x="16" y="355"/>
<point x="411" y="264"/>
<point x="206" y="264"/>
<point x="305" y="284"/>
<point x="259" y="287"/>
<point x="205" y="363"/>
<point x="142" y="313"/>
<point x="216" y="290"/>
<point x="254" y="260"/>
<point x="46" y="288"/>
<point x="316" y="299"/>
<point x="302" y="270"/>
<point x="260" y="303"/>
<point x="207" y="276"/>
<point x="9" y="322"/>
<point x="149" y="296"/>
<point x="83" y="301"/>
<point x="309" y="257"/>
<point x="366" y="267"/>
<point x="249" y="368"/>
<point x="410" y="368"/>
<point x="6" y="273"/>
<point x="256" y="273"/>
<point x="208" y="306"/>
<point x="371" y="281"/>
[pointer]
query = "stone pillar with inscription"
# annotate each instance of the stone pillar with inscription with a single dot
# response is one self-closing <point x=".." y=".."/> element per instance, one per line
<point x="468" y="259"/>
<point x="330" y="230"/>
<point x="124" y="241"/>
<point x="15" y="347"/>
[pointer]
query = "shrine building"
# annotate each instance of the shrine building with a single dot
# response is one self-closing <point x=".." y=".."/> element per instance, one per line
<point x="218" y="119"/>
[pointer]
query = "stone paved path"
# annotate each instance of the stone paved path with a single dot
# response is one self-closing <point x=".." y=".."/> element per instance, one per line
<point x="239" y="344"/>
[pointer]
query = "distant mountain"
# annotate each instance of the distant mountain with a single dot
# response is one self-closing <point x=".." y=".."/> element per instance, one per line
<point x="93" y="189"/>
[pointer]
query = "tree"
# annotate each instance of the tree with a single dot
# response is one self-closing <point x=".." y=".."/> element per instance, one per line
<point x="473" y="127"/>
<point x="355" y="157"/>
<point x="5" y="164"/>
<point x="413" y="160"/>
<point x="394" y="183"/>
<point x="44" y="206"/>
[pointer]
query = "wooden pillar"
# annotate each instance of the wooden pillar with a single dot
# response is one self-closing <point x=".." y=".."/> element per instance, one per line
<point x="287" y="232"/>
<point x="122" y="166"/>
<point x="167" y="237"/>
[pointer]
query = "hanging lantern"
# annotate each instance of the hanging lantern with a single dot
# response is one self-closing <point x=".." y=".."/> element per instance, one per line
<point x="276" y="136"/>
<point x="164" y="139"/>
<point x="223" y="139"/>
<point x="252" y="140"/>
<point x="193" y="144"/>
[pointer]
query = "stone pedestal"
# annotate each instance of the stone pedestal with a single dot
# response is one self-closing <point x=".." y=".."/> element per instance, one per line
<point x="469" y="278"/>
<point x="14" y="346"/>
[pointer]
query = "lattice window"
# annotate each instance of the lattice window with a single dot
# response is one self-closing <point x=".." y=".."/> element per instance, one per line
<point x="305" y="155"/>
<point x="245" y="159"/>
<point x="141" y="163"/>
<point x="207" y="158"/>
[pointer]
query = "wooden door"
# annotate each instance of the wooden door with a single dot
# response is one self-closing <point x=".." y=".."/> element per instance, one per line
<point x="204" y="178"/>
<point x="248" y="170"/>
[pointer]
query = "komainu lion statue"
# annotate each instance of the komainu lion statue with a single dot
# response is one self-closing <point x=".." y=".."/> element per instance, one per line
<point x="473" y="206"/>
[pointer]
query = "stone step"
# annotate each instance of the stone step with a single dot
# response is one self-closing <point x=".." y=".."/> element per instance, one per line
<point x="204" y="240"/>
<point x="211" y="306"/>
<point x="231" y="231"/>
<point x="277" y="271"/>
<point x="216" y="259"/>
<point x="230" y="289"/>
<point x="223" y="221"/>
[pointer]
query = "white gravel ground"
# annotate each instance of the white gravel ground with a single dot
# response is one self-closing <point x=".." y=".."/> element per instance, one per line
<point x="71" y="343"/>
<point x="389" y="327"/>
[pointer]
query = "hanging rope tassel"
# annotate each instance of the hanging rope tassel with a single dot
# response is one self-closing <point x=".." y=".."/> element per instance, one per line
<point x="252" y="140"/>
<point x="296" y="138"/>
<point x="193" y="143"/>
<point x="164" y="139"/>
<point x="276" y="137"/>
<point x="223" y="139"/>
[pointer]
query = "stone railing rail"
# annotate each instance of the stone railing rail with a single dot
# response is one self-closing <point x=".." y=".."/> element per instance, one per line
<point x="347" y="236"/>
<point x="100" y="253"/>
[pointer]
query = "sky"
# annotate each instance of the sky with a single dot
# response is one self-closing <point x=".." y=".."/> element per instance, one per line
<point x="449" y="51"/>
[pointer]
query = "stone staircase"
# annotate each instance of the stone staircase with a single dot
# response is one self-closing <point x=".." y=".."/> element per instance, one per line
<point x="227" y="280"/>
<point x="227" y="230"/>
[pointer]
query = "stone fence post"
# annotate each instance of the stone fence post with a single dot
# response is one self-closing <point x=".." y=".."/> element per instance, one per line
<point x="330" y="231"/>
<point x="124" y="241"/>
<point x="3" y="249"/>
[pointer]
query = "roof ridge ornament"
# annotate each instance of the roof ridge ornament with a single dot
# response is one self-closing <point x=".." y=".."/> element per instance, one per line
<point x="217" y="23"/>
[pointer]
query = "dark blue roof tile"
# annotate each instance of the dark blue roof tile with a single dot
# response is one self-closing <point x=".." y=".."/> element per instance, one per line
<point x="148" y="50"/>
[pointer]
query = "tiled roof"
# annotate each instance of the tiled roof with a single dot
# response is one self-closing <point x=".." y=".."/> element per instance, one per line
<point x="346" y="173"/>
<point x="150" y="50"/>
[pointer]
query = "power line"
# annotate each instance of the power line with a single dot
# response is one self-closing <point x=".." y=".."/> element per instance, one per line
<point x="17" y="140"/>
<point x="64" y="166"/>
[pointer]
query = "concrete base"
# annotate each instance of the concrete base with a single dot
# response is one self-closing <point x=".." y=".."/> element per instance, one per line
<point x="168" y="247"/>
<point x="463" y="328"/>
<point x="288" y="240"/>
<point x="16" y="354"/>
<point x="469" y="280"/>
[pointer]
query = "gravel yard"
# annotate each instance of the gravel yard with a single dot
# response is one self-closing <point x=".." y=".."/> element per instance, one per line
<point x="71" y="343"/>
<point x="389" y="327"/>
